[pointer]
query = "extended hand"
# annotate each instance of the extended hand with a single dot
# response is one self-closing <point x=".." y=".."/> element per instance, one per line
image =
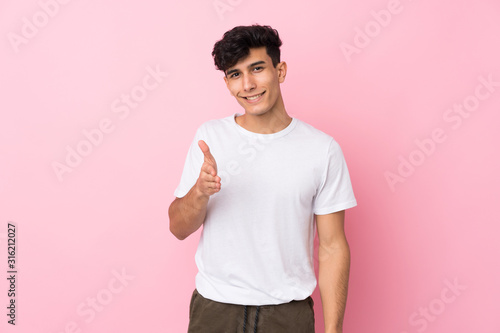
<point x="208" y="182"/>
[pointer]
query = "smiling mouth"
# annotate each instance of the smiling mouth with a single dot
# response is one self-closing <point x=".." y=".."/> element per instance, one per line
<point x="254" y="97"/>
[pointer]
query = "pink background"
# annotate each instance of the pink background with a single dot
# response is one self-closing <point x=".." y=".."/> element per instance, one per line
<point x="436" y="226"/>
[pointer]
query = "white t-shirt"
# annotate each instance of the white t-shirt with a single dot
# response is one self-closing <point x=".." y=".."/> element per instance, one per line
<point x="256" y="246"/>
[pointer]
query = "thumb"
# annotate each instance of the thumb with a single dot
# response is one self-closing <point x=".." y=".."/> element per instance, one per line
<point x="206" y="151"/>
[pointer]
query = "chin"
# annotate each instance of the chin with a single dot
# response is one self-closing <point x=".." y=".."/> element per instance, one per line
<point x="254" y="112"/>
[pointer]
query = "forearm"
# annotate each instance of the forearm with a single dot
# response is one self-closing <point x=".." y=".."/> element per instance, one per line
<point x="334" y="264"/>
<point x="188" y="213"/>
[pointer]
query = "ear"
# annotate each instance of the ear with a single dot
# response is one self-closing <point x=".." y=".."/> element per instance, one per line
<point x="281" y="69"/>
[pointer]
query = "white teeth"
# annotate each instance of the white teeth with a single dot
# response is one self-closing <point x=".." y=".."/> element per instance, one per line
<point x="254" y="97"/>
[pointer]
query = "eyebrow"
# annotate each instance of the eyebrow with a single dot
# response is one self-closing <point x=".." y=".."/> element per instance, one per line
<point x="251" y="65"/>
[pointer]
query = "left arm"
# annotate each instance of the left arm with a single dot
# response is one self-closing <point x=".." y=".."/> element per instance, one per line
<point x="334" y="262"/>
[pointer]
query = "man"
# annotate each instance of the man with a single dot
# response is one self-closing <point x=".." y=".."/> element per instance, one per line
<point x="256" y="181"/>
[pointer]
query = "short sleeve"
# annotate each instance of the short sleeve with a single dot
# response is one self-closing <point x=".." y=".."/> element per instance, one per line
<point x="192" y="167"/>
<point x="335" y="192"/>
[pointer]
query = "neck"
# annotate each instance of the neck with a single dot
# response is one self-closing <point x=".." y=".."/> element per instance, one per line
<point x="270" y="122"/>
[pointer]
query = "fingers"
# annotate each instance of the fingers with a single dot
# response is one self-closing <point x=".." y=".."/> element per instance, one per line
<point x="205" y="150"/>
<point x="208" y="173"/>
<point x="209" y="169"/>
<point x="208" y="182"/>
<point x="208" y="155"/>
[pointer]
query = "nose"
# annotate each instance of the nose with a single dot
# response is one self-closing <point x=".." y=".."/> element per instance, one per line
<point x="248" y="83"/>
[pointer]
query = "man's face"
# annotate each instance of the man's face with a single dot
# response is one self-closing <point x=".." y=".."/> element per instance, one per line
<point x="255" y="83"/>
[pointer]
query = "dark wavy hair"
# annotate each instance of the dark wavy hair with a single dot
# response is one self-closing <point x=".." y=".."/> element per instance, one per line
<point x="236" y="44"/>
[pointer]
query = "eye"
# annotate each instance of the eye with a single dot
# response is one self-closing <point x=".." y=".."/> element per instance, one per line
<point x="233" y="75"/>
<point x="258" y="68"/>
